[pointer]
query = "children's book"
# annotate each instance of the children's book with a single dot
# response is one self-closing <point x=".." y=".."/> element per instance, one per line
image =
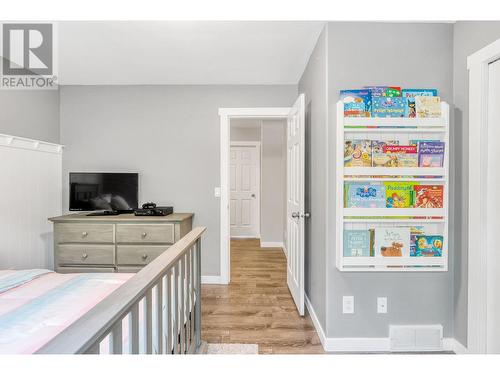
<point x="357" y="153"/>
<point x="392" y="242"/>
<point x="429" y="246"/>
<point x="379" y="157"/>
<point x="410" y="94"/>
<point x="414" y="231"/>
<point x="430" y="154"/>
<point x="401" y="156"/>
<point x="428" y="196"/>
<point x="387" y="91"/>
<point x="356" y="243"/>
<point x="388" y="107"/>
<point x="399" y="194"/>
<point x="368" y="195"/>
<point x="357" y="103"/>
<point x="428" y="106"/>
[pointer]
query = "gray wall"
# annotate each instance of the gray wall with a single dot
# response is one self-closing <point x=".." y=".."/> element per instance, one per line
<point x="30" y="114"/>
<point x="314" y="85"/>
<point x="169" y="134"/>
<point x="469" y="37"/>
<point x="273" y="175"/>
<point x="410" y="55"/>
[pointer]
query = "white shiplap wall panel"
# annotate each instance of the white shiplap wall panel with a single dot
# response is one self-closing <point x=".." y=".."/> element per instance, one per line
<point x="30" y="192"/>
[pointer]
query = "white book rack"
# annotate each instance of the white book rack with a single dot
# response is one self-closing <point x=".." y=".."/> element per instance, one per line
<point x="433" y="220"/>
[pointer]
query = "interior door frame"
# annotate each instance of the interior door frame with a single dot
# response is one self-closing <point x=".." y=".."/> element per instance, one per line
<point x="257" y="146"/>
<point x="477" y="64"/>
<point x="226" y="115"/>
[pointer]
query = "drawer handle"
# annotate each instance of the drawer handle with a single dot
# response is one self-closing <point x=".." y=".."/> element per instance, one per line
<point x="144" y="234"/>
<point x="144" y="256"/>
<point x="85" y="256"/>
<point x="85" y="234"/>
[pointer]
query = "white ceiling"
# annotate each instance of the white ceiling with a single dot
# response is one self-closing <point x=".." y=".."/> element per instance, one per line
<point x="184" y="52"/>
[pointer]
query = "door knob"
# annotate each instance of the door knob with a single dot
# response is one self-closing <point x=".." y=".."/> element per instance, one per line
<point x="253" y="195"/>
<point x="307" y="215"/>
<point x="295" y="215"/>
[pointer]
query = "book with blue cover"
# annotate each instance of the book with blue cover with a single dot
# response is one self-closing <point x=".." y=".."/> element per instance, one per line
<point x="357" y="103"/>
<point x="429" y="246"/>
<point x="367" y="195"/>
<point x="431" y="154"/>
<point x="388" y="107"/>
<point x="410" y="94"/>
<point x="387" y="91"/>
<point x="356" y="243"/>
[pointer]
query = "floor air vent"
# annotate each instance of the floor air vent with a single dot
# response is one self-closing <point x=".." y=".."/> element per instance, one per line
<point x="422" y="338"/>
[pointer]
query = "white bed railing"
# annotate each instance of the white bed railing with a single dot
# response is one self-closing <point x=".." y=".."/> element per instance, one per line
<point x="157" y="311"/>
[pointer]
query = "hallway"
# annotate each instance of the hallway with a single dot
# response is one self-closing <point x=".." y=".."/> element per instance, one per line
<point x="257" y="308"/>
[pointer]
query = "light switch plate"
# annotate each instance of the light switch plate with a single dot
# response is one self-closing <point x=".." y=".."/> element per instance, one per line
<point x="382" y="305"/>
<point x="348" y="305"/>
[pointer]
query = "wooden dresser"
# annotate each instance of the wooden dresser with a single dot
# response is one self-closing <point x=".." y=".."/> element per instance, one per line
<point x="123" y="243"/>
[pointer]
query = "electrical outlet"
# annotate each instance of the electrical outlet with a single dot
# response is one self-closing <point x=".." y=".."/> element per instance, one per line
<point x="348" y="305"/>
<point x="217" y="192"/>
<point x="382" y="305"/>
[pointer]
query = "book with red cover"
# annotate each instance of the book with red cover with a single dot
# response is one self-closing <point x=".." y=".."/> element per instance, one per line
<point x="428" y="196"/>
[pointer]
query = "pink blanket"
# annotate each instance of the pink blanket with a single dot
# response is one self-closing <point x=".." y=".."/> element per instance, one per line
<point x="36" y="305"/>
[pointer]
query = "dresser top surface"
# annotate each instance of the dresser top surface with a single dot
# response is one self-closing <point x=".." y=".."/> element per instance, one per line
<point x="82" y="217"/>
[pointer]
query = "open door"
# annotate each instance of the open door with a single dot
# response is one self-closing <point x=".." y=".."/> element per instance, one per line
<point x="295" y="201"/>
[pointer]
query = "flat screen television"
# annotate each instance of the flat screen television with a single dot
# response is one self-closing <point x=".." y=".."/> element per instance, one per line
<point x="103" y="191"/>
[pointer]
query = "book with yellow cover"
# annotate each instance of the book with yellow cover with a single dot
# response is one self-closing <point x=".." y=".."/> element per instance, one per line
<point x="428" y="106"/>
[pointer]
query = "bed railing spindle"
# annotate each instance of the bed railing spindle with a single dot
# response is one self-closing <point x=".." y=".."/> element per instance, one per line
<point x="133" y="330"/>
<point x="197" y="326"/>
<point x="148" y="315"/>
<point x="175" y="311"/>
<point x="191" y="294"/>
<point x="159" y="317"/>
<point x="168" y="311"/>
<point x="188" y="300"/>
<point x="115" y="342"/>
<point x="182" y="285"/>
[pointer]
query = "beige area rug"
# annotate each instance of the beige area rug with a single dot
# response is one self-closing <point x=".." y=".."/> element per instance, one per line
<point x="233" y="349"/>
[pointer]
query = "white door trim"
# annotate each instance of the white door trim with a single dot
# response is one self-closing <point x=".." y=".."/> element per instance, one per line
<point x="257" y="145"/>
<point x="477" y="65"/>
<point x="226" y="114"/>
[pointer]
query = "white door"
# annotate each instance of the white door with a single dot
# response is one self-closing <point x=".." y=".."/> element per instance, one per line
<point x="493" y="212"/>
<point x="244" y="177"/>
<point x="295" y="201"/>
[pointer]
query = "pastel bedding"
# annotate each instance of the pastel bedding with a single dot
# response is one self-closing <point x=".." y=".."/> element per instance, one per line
<point x="36" y="305"/>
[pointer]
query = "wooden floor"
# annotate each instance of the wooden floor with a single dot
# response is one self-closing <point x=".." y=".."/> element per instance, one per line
<point x="256" y="307"/>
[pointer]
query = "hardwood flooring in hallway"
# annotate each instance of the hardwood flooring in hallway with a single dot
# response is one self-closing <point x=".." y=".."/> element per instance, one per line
<point x="256" y="307"/>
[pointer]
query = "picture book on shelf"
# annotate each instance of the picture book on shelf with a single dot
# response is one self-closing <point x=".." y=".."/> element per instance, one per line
<point x="410" y="94"/>
<point x="387" y="91"/>
<point x="388" y="107"/>
<point x="392" y="242"/>
<point x="428" y="196"/>
<point x="399" y="194"/>
<point x="401" y="156"/>
<point x="357" y="153"/>
<point x="364" y="195"/>
<point x="431" y="154"/>
<point x="428" y="106"/>
<point x="379" y="157"/>
<point x="357" y="103"/>
<point x="356" y="243"/>
<point x="429" y="246"/>
<point x="414" y="231"/>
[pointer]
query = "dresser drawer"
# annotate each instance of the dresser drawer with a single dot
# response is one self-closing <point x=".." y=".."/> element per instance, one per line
<point x="145" y="233"/>
<point x="83" y="233"/>
<point x="85" y="270"/>
<point x="85" y="254"/>
<point x="132" y="255"/>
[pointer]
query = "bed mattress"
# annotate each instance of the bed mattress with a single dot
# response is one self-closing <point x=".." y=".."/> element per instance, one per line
<point x="36" y="305"/>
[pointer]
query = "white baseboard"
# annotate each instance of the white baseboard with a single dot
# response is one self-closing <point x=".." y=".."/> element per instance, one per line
<point x="212" y="280"/>
<point x="366" y="344"/>
<point x="272" y="244"/>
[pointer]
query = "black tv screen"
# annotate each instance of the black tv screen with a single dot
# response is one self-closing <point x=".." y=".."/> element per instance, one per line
<point x="103" y="191"/>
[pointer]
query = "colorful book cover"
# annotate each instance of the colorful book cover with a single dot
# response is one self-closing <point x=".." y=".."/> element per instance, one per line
<point x="429" y="246"/>
<point x="428" y="196"/>
<point x="401" y="156"/>
<point x="379" y="158"/>
<point x="414" y="231"/>
<point x="356" y="243"/>
<point x="431" y="154"/>
<point x="410" y="94"/>
<point x="357" y="153"/>
<point x="386" y="91"/>
<point x="428" y="106"/>
<point x="370" y="195"/>
<point x="399" y="194"/>
<point x="388" y="107"/>
<point x="357" y="103"/>
<point x="392" y="242"/>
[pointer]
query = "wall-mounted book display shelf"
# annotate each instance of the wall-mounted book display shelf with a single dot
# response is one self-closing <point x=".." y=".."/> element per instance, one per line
<point x="387" y="233"/>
